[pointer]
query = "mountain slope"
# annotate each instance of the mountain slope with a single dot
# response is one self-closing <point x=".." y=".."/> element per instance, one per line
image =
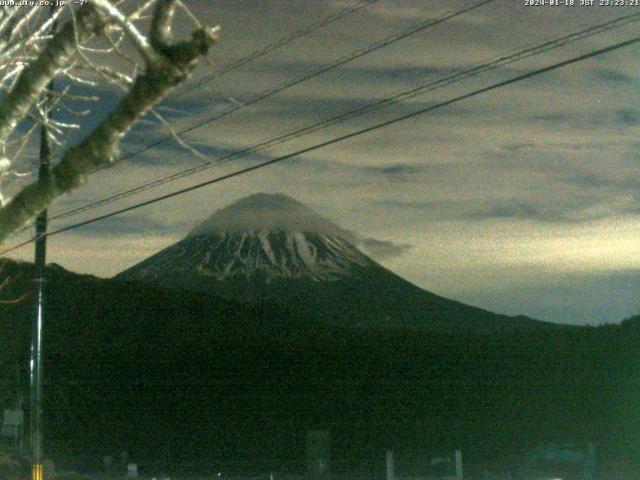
<point x="267" y="237"/>
<point x="273" y="248"/>
<point x="188" y="380"/>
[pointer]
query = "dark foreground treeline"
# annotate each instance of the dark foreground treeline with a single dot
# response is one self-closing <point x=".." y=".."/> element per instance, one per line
<point x="191" y="383"/>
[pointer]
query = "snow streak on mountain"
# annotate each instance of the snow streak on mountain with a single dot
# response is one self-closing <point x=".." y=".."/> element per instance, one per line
<point x="263" y="237"/>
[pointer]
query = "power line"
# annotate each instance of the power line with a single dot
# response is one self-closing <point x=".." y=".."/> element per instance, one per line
<point x="234" y="65"/>
<point x="342" y="138"/>
<point x="240" y="62"/>
<point x="385" y="102"/>
<point x="372" y="47"/>
<point x="269" y="93"/>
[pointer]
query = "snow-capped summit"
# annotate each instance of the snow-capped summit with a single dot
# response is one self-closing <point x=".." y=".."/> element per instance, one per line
<point x="263" y="212"/>
<point x="262" y="236"/>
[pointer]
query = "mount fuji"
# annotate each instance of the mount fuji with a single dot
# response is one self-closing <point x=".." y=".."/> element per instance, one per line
<point x="272" y="248"/>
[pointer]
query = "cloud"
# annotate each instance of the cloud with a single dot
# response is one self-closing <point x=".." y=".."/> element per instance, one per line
<point x="628" y="118"/>
<point x="574" y="298"/>
<point x="170" y="153"/>
<point x="383" y="249"/>
<point x="578" y="210"/>
<point x="611" y="75"/>
<point x="122" y="226"/>
<point x="395" y="170"/>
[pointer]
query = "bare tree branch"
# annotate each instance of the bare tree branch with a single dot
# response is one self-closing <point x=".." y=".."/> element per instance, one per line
<point x="170" y="63"/>
<point x="35" y="77"/>
<point x="5" y="283"/>
<point x="139" y="40"/>
<point x="161" y="35"/>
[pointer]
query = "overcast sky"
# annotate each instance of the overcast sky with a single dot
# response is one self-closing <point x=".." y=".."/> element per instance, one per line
<point x="524" y="200"/>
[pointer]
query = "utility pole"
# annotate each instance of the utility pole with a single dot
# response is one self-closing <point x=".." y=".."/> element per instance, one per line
<point x="390" y="466"/>
<point x="458" y="460"/>
<point x="40" y="284"/>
